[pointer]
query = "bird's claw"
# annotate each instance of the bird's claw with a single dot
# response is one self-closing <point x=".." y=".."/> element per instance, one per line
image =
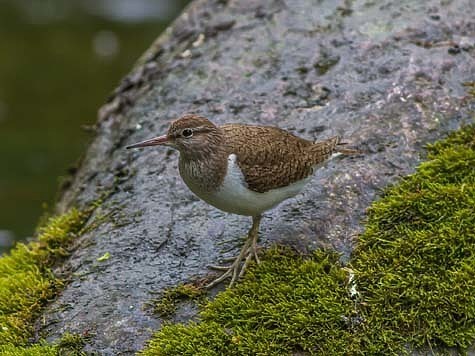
<point x="237" y="268"/>
<point x="219" y="268"/>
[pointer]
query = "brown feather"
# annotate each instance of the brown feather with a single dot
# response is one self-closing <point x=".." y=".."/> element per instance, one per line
<point x="271" y="158"/>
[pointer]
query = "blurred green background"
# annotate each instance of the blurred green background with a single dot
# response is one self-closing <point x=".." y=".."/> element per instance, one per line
<point x="59" y="60"/>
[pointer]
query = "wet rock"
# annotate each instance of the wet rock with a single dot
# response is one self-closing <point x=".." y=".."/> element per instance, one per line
<point x="6" y="240"/>
<point x="384" y="80"/>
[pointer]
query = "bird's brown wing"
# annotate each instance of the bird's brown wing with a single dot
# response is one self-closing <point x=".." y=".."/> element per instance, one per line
<point x="271" y="158"/>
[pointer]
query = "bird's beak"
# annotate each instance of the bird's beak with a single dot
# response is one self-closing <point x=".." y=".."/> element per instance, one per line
<point x="160" y="140"/>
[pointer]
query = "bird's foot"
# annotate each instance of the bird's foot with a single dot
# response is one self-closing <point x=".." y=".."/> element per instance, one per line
<point x="240" y="263"/>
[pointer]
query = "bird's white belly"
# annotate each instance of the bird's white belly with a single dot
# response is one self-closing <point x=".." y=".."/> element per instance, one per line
<point x="233" y="196"/>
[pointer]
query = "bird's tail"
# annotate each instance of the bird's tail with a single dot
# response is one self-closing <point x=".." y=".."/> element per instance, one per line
<point x="331" y="147"/>
<point x="344" y="150"/>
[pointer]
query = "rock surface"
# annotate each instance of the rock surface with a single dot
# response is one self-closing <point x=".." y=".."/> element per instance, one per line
<point x="388" y="76"/>
<point x="6" y="240"/>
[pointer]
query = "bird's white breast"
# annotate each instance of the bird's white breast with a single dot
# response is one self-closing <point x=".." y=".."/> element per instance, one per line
<point x="233" y="195"/>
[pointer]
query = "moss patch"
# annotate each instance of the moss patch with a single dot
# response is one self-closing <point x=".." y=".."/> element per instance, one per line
<point x="36" y="350"/>
<point x="415" y="263"/>
<point x="69" y="344"/>
<point x="414" y="279"/>
<point x="167" y="304"/>
<point x="26" y="282"/>
<point x="288" y="303"/>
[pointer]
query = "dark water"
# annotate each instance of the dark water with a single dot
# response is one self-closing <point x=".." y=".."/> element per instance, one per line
<point x="58" y="62"/>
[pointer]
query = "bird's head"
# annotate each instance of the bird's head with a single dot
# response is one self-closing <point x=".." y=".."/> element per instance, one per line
<point x="191" y="134"/>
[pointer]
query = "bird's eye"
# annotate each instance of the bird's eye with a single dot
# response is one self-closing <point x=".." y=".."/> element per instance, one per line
<point x="187" y="133"/>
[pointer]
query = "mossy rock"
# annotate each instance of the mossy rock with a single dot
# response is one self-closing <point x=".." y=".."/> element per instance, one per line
<point x="288" y="303"/>
<point x="167" y="304"/>
<point x="27" y="283"/>
<point x="69" y="344"/>
<point x="415" y="263"/>
<point x="410" y="282"/>
<point x="35" y="350"/>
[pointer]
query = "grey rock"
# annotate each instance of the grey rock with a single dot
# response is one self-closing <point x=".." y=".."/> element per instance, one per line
<point x="6" y="240"/>
<point x="380" y="73"/>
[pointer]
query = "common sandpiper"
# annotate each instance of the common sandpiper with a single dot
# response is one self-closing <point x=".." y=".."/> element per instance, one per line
<point x="243" y="169"/>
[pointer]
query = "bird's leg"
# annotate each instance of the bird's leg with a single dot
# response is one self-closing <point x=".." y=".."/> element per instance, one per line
<point x="248" y="251"/>
<point x="256" y="221"/>
<point x="252" y="251"/>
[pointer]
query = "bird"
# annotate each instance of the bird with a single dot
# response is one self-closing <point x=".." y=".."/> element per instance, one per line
<point x="243" y="169"/>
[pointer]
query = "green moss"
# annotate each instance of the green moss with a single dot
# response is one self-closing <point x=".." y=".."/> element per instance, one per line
<point x="287" y="303"/>
<point x="26" y="282"/>
<point x="69" y="344"/>
<point x="415" y="263"/>
<point x="413" y="280"/>
<point x="167" y="304"/>
<point x="470" y="88"/>
<point x="36" y="350"/>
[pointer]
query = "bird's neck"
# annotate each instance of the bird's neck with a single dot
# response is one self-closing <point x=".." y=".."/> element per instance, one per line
<point x="204" y="170"/>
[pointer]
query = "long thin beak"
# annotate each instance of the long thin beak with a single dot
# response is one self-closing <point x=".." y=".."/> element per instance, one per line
<point x="160" y="140"/>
